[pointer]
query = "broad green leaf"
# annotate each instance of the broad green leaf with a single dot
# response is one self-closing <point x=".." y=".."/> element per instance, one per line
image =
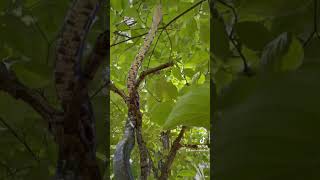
<point x="119" y="4"/>
<point x="188" y="72"/>
<point x="248" y="31"/>
<point x="273" y="132"/>
<point x="177" y="73"/>
<point x="204" y="31"/>
<point x="19" y="36"/>
<point x="161" y="111"/>
<point x="101" y="157"/>
<point x="220" y="40"/>
<point x="4" y="4"/>
<point x="222" y="78"/>
<point x="187" y="173"/>
<point x="293" y="58"/>
<point x="237" y="92"/>
<point x="14" y="110"/>
<point x="184" y="90"/>
<point x="49" y="16"/>
<point x="300" y="22"/>
<point x="191" y="109"/>
<point x="30" y="3"/>
<point x="164" y="89"/>
<point x="312" y="49"/>
<point x="270" y="8"/>
<point x="32" y="74"/>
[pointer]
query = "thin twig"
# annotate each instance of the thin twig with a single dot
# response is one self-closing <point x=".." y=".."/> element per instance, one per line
<point x="246" y="68"/>
<point x="13" y="132"/>
<point x="234" y="15"/>
<point x="11" y="85"/>
<point x="164" y="27"/>
<point x="171" y="48"/>
<point x="99" y="90"/>
<point x="315" y="24"/>
<point x="152" y="95"/>
<point x="153" y="49"/>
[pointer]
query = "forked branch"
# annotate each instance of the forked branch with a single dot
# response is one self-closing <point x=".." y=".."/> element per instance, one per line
<point x="118" y="91"/>
<point x="10" y="84"/>
<point x="172" y="154"/>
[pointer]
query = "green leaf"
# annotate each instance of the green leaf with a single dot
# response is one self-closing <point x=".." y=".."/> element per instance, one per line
<point x="293" y="58"/>
<point x="191" y="109"/>
<point x="14" y="110"/>
<point x="32" y="74"/>
<point x="48" y="18"/>
<point x="312" y="52"/>
<point x="237" y="92"/>
<point x="4" y="4"/>
<point x="101" y="156"/>
<point x="204" y="30"/>
<point x="19" y="36"/>
<point x="270" y="8"/>
<point x="187" y="173"/>
<point x="164" y="89"/>
<point x="299" y="22"/>
<point x="273" y="131"/>
<point x="248" y="31"/>
<point x="222" y="79"/>
<point x="119" y="4"/>
<point x="282" y="54"/>
<point x="161" y="111"/>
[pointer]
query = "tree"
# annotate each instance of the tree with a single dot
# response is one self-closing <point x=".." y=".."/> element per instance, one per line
<point x="28" y="33"/>
<point x="170" y="92"/>
<point x="48" y="63"/>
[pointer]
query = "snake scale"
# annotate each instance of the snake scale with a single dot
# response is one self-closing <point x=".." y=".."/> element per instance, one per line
<point x="121" y="161"/>
<point x="76" y="138"/>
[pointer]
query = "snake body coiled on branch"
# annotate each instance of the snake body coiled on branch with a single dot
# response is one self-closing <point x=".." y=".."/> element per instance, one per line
<point x="121" y="161"/>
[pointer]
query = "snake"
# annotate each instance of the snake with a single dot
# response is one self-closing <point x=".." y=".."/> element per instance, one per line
<point x="121" y="160"/>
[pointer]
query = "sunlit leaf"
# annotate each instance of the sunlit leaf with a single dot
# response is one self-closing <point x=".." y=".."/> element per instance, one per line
<point x="191" y="109"/>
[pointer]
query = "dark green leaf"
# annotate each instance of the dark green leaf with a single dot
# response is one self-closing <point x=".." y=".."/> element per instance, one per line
<point x="220" y="40"/>
<point x="253" y="34"/>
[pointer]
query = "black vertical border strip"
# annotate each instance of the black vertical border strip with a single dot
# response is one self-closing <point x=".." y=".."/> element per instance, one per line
<point x="212" y="98"/>
<point x="107" y="170"/>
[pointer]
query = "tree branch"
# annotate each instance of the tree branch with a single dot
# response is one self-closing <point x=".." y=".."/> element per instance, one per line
<point x="152" y="71"/>
<point x="246" y="68"/>
<point x="11" y="85"/>
<point x="98" y="54"/>
<point x="172" y="154"/>
<point x="118" y="91"/>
